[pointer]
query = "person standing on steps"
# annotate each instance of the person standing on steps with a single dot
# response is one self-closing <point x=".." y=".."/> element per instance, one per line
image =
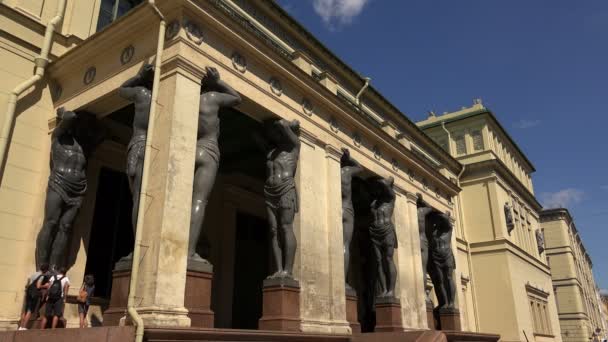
<point x="37" y="282"/>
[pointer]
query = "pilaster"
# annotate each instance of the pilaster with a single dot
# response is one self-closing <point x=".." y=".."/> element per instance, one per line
<point x="319" y="260"/>
<point x="169" y="193"/>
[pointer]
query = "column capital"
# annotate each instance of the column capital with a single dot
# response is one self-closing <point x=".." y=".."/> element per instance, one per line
<point x="308" y="137"/>
<point x="183" y="66"/>
<point x="412" y="197"/>
<point x="398" y="189"/>
<point x="333" y="152"/>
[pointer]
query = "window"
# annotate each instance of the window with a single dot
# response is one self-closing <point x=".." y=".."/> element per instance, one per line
<point x="461" y="146"/>
<point x="538" y="310"/>
<point x="477" y="140"/>
<point x="111" y="10"/>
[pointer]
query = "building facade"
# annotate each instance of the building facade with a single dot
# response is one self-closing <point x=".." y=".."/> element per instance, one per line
<point x="580" y="312"/>
<point x="509" y="274"/>
<point x="280" y="71"/>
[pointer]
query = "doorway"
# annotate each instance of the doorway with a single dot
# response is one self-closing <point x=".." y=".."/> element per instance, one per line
<point x="111" y="234"/>
<point x="251" y="248"/>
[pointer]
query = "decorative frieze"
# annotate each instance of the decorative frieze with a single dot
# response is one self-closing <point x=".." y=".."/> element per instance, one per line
<point x="89" y="75"/>
<point x="127" y="54"/>
<point x="193" y="31"/>
<point x="239" y="62"/>
<point x="275" y="86"/>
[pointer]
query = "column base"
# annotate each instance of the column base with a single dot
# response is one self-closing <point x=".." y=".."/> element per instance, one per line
<point x="388" y="315"/>
<point x="351" y="310"/>
<point x="449" y="319"/>
<point x="197" y="298"/>
<point x="281" y="305"/>
<point x="157" y="317"/>
<point x="430" y="316"/>
<point x="121" y="278"/>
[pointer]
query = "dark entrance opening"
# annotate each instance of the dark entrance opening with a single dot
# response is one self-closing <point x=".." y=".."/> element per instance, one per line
<point x="250" y="270"/>
<point x="111" y="231"/>
<point x="236" y="226"/>
<point x="111" y="235"/>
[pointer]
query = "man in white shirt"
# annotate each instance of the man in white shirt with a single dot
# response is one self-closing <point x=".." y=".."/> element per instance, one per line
<point x="56" y="297"/>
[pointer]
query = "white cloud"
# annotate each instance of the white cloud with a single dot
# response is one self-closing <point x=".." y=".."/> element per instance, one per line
<point x="342" y="11"/>
<point x="525" y="124"/>
<point x="563" y="198"/>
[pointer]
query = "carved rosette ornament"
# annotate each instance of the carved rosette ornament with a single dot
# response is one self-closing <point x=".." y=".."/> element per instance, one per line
<point x="377" y="153"/>
<point x="307" y="107"/>
<point x="333" y="125"/>
<point x="410" y="174"/>
<point x="357" y="139"/>
<point x="193" y="31"/>
<point x="275" y="86"/>
<point x="172" y="29"/>
<point x="395" y="164"/>
<point x="89" y="75"/>
<point x="239" y="62"/>
<point x="127" y="54"/>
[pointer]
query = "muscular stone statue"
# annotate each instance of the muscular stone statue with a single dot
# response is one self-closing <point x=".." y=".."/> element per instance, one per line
<point x="441" y="260"/>
<point x="540" y="241"/>
<point x="382" y="233"/>
<point x="138" y="90"/>
<point x="509" y="217"/>
<point x="71" y="144"/>
<point x="215" y="94"/>
<point x="348" y="168"/>
<point x="423" y="228"/>
<point x="282" y="146"/>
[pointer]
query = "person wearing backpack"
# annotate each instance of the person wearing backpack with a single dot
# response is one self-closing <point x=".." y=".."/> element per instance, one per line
<point x="33" y="294"/>
<point x="84" y="298"/>
<point x="56" y="296"/>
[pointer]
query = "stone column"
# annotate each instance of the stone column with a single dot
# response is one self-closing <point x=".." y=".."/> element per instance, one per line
<point x="319" y="262"/>
<point x="410" y="287"/>
<point x="162" y="276"/>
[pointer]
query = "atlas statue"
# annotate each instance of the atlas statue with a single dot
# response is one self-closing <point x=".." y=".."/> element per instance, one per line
<point x="348" y="168"/>
<point x="215" y="94"/>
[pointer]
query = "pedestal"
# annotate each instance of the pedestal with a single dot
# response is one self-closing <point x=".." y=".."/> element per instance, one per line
<point x="351" y="310"/>
<point x="197" y="298"/>
<point x="281" y="305"/>
<point x="450" y="320"/>
<point x="121" y="277"/>
<point x="430" y="316"/>
<point x="388" y="315"/>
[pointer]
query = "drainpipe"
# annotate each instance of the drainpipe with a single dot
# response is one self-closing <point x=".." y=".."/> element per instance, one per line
<point x="358" y="97"/>
<point x="464" y="235"/>
<point x="40" y="62"/>
<point x="139" y="323"/>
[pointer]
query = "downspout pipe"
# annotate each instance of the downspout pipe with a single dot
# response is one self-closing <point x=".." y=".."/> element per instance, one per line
<point x="40" y="63"/>
<point x="139" y="323"/>
<point x="464" y="235"/>
<point x="360" y="93"/>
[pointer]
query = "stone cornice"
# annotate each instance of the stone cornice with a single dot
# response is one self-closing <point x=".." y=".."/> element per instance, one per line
<point x="508" y="246"/>
<point x="504" y="172"/>
<point x="344" y="69"/>
<point x="537" y="291"/>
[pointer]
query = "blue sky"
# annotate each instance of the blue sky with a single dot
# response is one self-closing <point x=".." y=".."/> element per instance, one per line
<point x="541" y="66"/>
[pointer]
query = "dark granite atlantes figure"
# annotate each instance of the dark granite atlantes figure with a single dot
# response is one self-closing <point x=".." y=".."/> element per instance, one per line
<point x="348" y="168"/>
<point x="382" y="234"/>
<point x="441" y="260"/>
<point x="138" y="90"/>
<point x="282" y="146"/>
<point x="215" y="94"/>
<point x="509" y="218"/>
<point x="423" y="229"/>
<point x="71" y="143"/>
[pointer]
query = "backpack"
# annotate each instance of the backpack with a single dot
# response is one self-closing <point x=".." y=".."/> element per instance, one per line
<point x="56" y="289"/>
<point x="32" y="290"/>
